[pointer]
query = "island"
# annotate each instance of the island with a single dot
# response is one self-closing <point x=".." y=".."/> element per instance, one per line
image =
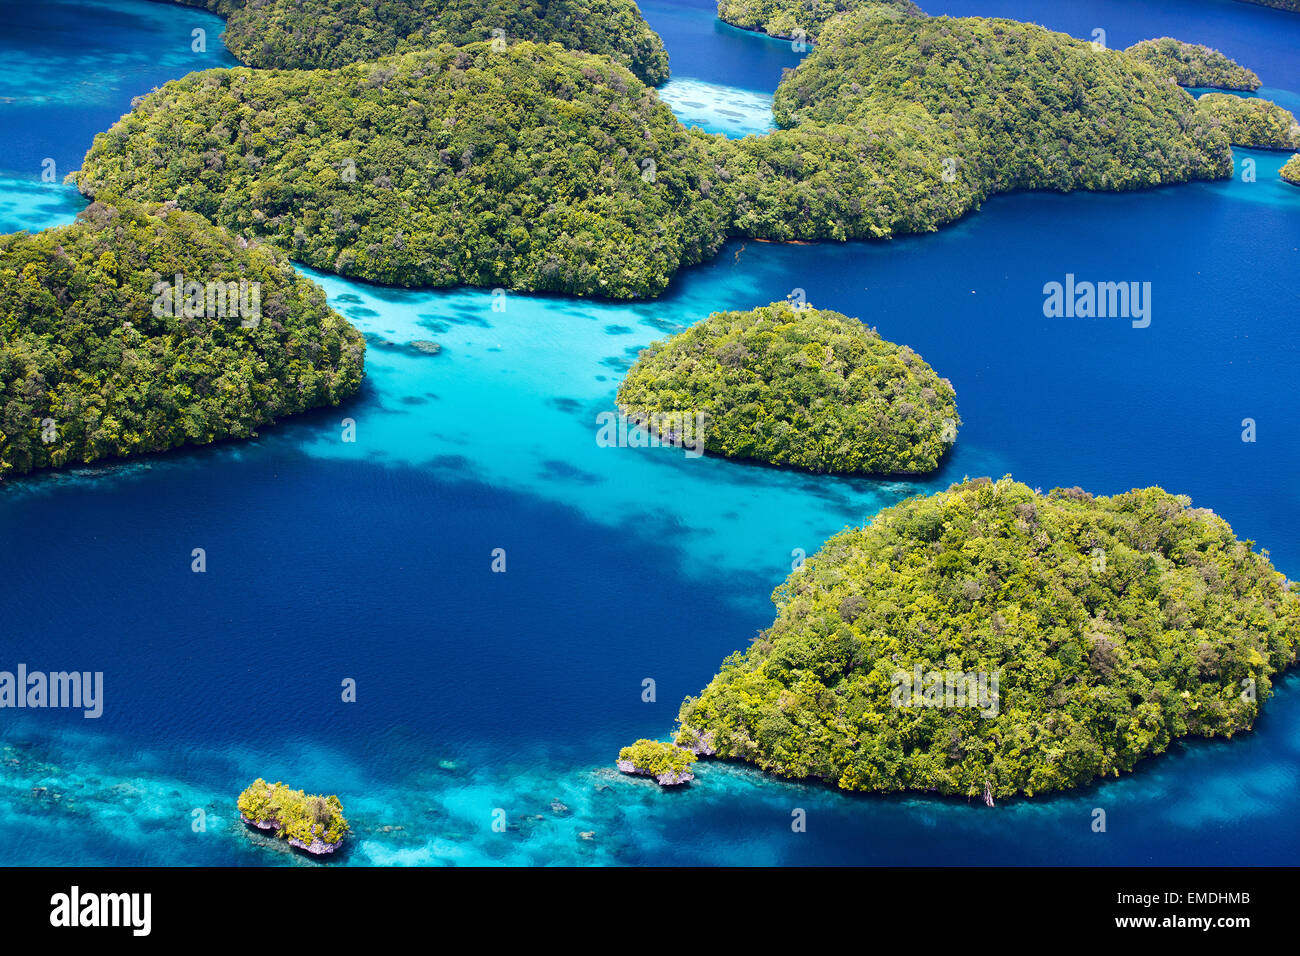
<point x="527" y="166"/>
<point x="325" y="34"/>
<point x="996" y="105"/>
<point x="141" y="328"/>
<point x="1291" y="5"/>
<point x="1290" y="170"/>
<point x="1190" y="64"/>
<point x="802" y="20"/>
<point x="990" y="640"/>
<point x="1251" y="122"/>
<point x="802" y="387"/>
<point x="669" y="764"/>
<point x="531" y="167"/>
<point x="313" y="823"/>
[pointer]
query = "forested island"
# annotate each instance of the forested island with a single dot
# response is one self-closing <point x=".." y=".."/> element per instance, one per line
<point x="803" y="19"/>
<point x="803" y="387"/>
<point x="1016" y="106"/>
<point x="535" y="168"/>
<point x="1190" y="64"/>
<point x="1084" y="633"/>
<point x="530" y="167"/>
<point x="1291" y="170"/>
<point x="324" y="34"/>
<point x="669" y="764"/>
<point x="313" y="823"/>
<point x="143" y="328"/>
<point x="1251" y="122"/>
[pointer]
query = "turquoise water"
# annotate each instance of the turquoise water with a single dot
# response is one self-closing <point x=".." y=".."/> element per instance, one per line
<point x="478" y="691"/>
<point x="28" y="203"/>
<point x="717" y="108"/>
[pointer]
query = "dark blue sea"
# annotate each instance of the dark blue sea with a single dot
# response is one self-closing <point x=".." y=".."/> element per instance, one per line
<point x="480" y="692"/>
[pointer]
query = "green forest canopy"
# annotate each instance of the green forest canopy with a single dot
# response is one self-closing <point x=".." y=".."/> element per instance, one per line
<point x="531" y="168"/>
<point x="92" y="367"/>
<point x="541" y="169"/>
<point x="803" y="19"/>
<point x="1115" y="626"/>
<point x="324" y="34"/>
<point x="1022" y="107"/>
<point x="1250" y="121"/>
<point x="1291" y="170"/>
<point x="805" y="387"/>
<point x="655" y="758"/>
<point x="1189" y="64"/>
<point x="299" y="816"/>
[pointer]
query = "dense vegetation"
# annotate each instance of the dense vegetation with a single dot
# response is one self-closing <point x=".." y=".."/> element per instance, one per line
<point x="804" y="18"/>
<point x="531" y="168"/>
<point x="1291" y="170"/>
<point x="324" y="34"/>
<point x="90" y="369"/>
<point x="897" y="126"/>
<point x="1115" y="625"/>
<point x="298" y="817"/>
<point x="1189" y="64"/>
<point x="803" y="387"/>
<point x="847" y="181"/>
<point x="667" y="763"/>
<point x="1017" y="106"/>
<point x="1250" y="121"/>
<point x="540" y="169"/>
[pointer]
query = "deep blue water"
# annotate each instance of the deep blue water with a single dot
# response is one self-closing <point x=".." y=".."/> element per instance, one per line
<point x="372" y="560"/>
<point x="702" y="46"/>
<point x="69" y="68"/>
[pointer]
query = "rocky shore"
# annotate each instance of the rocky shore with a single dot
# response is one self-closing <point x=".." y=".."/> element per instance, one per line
<point x="317" y="845"/>
<point x="669" y="778"/>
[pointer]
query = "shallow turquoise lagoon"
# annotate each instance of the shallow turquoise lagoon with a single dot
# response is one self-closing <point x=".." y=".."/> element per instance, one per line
<point x="717" y="108"/>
